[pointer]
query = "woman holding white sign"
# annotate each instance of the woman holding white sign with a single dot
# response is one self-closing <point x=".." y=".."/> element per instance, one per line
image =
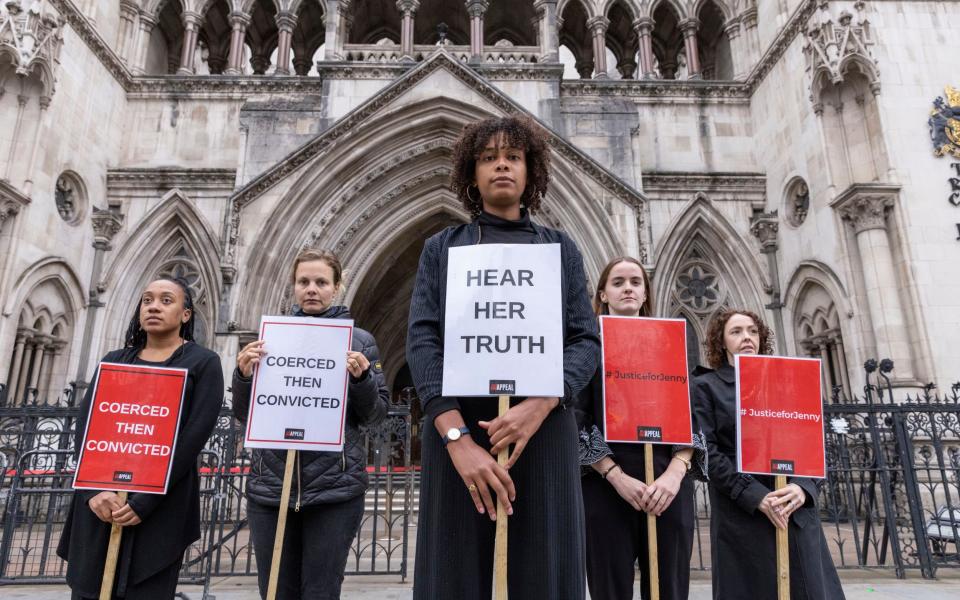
<point x="746" y="509"/>
<point x="328" y="487"/>
<point x="500" y="174"/>
<point x="157" y="528"/>
<point x="615" y="496"/>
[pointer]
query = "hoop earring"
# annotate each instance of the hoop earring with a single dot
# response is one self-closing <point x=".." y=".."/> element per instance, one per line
<point x="470" y="187"/>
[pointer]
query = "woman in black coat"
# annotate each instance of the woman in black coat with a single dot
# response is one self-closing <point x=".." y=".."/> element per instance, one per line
<point x="746" y="509"/>
<point x="158" y="528"/>
<point x="500" y="175"/>
<point x="616" y="500"/>
<point x="328" y="489"/>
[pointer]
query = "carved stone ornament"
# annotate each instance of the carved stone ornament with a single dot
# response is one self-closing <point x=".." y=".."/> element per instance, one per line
<point x="697" y="287"/>
<point x="764" y="227"/>
<point x="867" y="212"/>
<point x="32" y="38"/>
<point x="834" y="37"/>
<point x="106" y="224"/>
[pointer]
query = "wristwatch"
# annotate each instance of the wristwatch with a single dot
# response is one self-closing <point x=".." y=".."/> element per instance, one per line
<point x="455" y="433"/>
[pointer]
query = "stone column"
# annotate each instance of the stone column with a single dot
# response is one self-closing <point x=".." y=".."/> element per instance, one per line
<point x="333" y="44"/>
<point x="549" y="27"/>
<point x="128" y="30"/>
<point x="408" y="9"/>
<point x="689" y="28"/>
<point x="476" y="10"/>
<point x="825" y="367"/>
<point x="644" y="28"/>
<point x="21" y="104"/>
<point x="732" y="30"/>
<point x="106" y="224"/>
<point x="22" y="336"/>
<point x="147" y="23"/>
<point x="866" y="210"/>
<point x="751" y="37"/>
<point x="285" y="23"/>
<point x="765" y="227"/>
<point x="39" y="356"/>
<point x="842" y="366"/>
<point x="191" y="29"/>
<point x="598" y="27"/>
<point x="34" y="151"/>
<point x="23" y="373"/>
<point x="54" y="350"/>
<point x="238" y="23"/>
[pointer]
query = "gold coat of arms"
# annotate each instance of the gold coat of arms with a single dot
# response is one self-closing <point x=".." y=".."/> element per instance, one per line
<point x="944" y="124"/>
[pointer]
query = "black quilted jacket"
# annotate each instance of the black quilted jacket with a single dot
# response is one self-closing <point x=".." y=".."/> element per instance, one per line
<point x="322" y="477"/>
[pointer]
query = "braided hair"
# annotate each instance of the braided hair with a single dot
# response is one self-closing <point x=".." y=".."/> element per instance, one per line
<point x="136" y="337"/>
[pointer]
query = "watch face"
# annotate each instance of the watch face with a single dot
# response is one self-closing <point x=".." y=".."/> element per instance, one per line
<point x="453" y="435"/>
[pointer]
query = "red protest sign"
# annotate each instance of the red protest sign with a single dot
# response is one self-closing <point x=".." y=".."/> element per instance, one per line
<point x="779" y="416"/>
<point x="131" y="429"/>
<point x="645" y="393"/>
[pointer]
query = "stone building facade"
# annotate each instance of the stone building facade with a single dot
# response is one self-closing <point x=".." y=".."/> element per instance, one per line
<point x="770" y="154"/>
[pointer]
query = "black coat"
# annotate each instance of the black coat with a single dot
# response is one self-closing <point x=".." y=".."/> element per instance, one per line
<point x="743" y="541"/>
<point x="171" y="521"/>
<point x="322" y="477"/>
<point x="581" y="341"/>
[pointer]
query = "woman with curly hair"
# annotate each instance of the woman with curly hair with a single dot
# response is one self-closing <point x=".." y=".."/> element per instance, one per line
<point x="746" y="509"/>
<point x="501" y="172"/>
<point x="616" y="499"/>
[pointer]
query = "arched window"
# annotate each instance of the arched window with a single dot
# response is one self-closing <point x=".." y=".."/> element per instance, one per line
<point x="166" y="41"/>
<point x="668" y="49"/>
<point x="716" y="60"/>
<point x="575" y="36"/>
<point x="621" y="42"/>
<point x="262" y="36"/>
<point x="818" y="335"/>
<point x="214" y="40"/>
<point x="308" y="37"/>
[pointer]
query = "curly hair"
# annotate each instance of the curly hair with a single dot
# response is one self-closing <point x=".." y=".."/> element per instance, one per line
<point x="713" y="344"/>
<point x="521" y="132"/>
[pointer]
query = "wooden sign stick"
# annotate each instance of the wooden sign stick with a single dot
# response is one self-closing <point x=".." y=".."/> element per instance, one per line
<point x="500" y="545"/>
<point x="281" y="525"/>
<point x="113" y="552"/>
<point x="783" y="553"/>
<point x="654" y="560"/>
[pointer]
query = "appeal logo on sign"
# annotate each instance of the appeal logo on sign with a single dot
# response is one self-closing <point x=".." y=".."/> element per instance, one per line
<point x="645" y="393"/>
<point x="131" y="429"/>
<point x="503" y="328"/>
<point x="779" y="416"/>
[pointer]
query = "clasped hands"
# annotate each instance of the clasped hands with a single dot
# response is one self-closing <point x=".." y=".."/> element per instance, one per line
<point x="779" y="504"/>
<point x="652" y="499"/>
<point x="109" y="509"/>
<point x="479" y="469"/>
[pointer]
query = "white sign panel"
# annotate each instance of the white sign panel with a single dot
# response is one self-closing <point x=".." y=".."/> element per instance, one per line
<point x="299" y="396"/>
<point x="503" y="333"/>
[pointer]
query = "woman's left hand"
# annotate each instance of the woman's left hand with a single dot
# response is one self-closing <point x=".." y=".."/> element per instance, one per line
<point x="787" y="499"/>
<point x="357" y="363"/>
<point x="517" y="425"/>
<point x="125" y="517"/>
<point x="661" y="492"/>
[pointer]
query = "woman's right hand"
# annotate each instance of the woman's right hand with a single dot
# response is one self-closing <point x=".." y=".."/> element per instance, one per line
<point x="629" y="488"/>
<point x="770" y="510"/>
<point x="482" y="474"/>
<point x="103" y="505"/>
<point x="249" y="356"/>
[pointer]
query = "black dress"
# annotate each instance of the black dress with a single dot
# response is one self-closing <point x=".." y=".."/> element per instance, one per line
<point x="546" y="539"/>
<point x="742" y="539"/>
<point x="616" y="532"/>
<point x="171" y="521"/>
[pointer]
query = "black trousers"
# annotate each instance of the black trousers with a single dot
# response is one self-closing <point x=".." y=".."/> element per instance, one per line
<point x="455" y="544"/>
<point x="617" y="536"/>
<point x="159" y="586"/>
<point x="316" y="543"/>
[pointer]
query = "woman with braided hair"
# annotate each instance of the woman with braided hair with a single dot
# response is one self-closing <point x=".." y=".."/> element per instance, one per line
<point x="158" y="528"/>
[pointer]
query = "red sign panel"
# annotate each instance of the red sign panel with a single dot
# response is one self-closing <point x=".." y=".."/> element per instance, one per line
<point x="779" y="416"/>
<point x="131" y="429"/>
<point x="646" y="396"/>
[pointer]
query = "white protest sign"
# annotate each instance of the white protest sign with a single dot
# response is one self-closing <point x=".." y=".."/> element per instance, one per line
<point x="298" y="400"/>
<point x="503" y="333"/>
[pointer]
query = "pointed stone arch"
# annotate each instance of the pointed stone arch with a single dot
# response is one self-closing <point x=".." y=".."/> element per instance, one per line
<point x="173" y="239"/>
<point x="704" y="265"/>
<point x="48" y="301"/>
